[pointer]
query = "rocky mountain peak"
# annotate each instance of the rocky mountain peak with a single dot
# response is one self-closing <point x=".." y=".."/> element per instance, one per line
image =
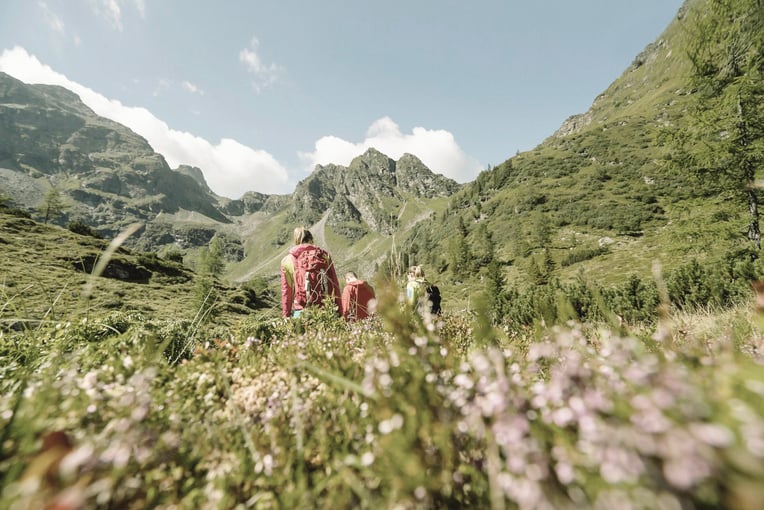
<point x="372" y="189"/>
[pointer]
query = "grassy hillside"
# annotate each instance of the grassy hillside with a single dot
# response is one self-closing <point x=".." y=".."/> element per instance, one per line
<point x="46" y="277"/>
<point x="605" y="198"/>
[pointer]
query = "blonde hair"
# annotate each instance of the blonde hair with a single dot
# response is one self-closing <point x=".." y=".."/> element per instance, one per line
<point x="302" y="235"/>
<point x="416" y="271"/>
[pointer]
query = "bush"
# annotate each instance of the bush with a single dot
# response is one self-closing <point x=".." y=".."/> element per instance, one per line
<point x="173" y="254"/>
<point x="582" y="254"/>
<point x="15" y="211"/>
<point x="83" y="229"/>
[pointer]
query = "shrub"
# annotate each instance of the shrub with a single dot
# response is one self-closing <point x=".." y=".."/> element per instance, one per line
<point x="83" y="229"/>
<point x="582" y="254"/>
<point x="173" y="254"/>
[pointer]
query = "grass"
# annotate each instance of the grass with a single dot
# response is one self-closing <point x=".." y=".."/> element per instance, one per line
<point x="396" y="412"/>
<point x="44" y="269"/>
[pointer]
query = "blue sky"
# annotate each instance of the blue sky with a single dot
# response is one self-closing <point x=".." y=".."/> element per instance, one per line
<point x="256" y="93"/>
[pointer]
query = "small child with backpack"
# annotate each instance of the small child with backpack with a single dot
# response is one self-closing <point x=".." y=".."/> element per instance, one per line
<point x="420" y="293"/>
<point x="308" y="277"/>
<point x="358" y="298"/>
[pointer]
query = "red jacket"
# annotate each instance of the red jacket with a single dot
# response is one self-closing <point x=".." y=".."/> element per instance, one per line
<point x="287" y="280"/>
<point x="355" y="300"/>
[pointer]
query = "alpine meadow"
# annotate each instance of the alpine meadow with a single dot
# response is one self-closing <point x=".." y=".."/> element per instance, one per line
<point x="601" y="341"/>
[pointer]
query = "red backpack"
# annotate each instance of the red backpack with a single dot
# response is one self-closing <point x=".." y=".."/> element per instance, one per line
<point x="311" y="277"/>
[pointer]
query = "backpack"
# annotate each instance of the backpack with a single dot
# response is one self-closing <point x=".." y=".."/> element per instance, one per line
<point x="311" y="277"/>
<point x="432" y="292"/>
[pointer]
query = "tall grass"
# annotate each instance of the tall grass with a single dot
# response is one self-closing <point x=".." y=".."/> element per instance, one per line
<point x="400" y="411"/>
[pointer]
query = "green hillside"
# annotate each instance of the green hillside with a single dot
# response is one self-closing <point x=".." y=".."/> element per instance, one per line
<point x="615" y="191"/>
<point x="658" y="175"/>
<point x="49" y="274"/>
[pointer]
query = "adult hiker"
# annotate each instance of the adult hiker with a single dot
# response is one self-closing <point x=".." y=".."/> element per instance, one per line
<point x="421" y="294"/>
<point x="308" y="277"/>
<point x="358" y="298"/>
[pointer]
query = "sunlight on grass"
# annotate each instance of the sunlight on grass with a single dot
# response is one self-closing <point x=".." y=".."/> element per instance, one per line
<point x="398" y="411"/>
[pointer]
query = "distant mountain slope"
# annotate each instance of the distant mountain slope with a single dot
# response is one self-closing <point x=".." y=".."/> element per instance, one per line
<point x="603" y="197"/>
<point x="109" y="177"/>
<point x="112" y="176"/>
<point x="44" y="270"/>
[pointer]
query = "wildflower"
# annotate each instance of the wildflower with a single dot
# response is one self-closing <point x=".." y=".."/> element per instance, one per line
<point x="712" y="434"/>
<point x="564" y="472"/>
<point x="620" y="465"/>
<point x="685" y="472"/>
<point x="394" y="423"/>
<point x="268" y="464"/>
<point x="464" y="381"/>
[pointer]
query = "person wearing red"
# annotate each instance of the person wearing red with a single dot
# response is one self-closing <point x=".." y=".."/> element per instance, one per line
<point x="295" y="299"/>
<point x="358" y="299"/>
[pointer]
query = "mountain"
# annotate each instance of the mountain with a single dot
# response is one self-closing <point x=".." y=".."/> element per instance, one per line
<point x="367" y="195"/>
<point x="616" y="191"/>
<point x="357" y="211"/>
<point x="112" y="176"/>
<point x="108" y="177"/>
<point x="609" y="195"/>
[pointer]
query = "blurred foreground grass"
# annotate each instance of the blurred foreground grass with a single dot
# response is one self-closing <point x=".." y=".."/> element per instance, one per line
<point x="124" y="411"/>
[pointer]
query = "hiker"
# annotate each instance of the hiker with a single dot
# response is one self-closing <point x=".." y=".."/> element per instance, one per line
<point x="421" y="293"/>
<point x="358" y="299"/>
<point x="307" y="276"/>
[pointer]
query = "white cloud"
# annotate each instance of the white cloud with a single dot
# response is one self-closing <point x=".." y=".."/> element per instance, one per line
<point x="230" y="168"/>
<point x="265" y="75"/>
<point x="162" y="85"/>
<point x="53" y="20"/>
<point x="192" y="88"/>
<point x="111" y="10"/>
<point x="436" y="148"/>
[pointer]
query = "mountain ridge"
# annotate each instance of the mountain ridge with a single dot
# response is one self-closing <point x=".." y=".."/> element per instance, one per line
<point x="601" y="198"/>
<point x="108" y="177"/>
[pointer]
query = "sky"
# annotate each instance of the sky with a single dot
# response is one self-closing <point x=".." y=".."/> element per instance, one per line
<point x="256" y="93"/>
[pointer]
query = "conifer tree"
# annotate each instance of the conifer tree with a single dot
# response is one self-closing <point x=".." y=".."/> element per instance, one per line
<point x="483" y="246"/>
<point x="496" y="290"/>
<point x="52" y="205"/>
<point x="212" y="261"/>
<point x="459" y="255"/>
<point x="725" y="143"/>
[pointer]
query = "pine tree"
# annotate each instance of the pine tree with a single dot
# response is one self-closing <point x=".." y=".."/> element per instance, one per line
<point x="725" y="143"/>
<point x="483" y="246"/>
<point x="459" y="255"/>
<point x="212" y="261"/>
<point x="496" y="291"/>
<point x="52" y="204"/>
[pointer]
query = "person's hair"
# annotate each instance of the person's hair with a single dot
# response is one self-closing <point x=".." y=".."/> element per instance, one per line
<point x="302" y="235"/>
<point x="350" y="274"/>
<point x="416" y="271"/>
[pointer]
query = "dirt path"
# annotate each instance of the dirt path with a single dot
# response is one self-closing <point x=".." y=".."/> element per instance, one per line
<point x="318" y="231"/>
<point x="319" y="238"/>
